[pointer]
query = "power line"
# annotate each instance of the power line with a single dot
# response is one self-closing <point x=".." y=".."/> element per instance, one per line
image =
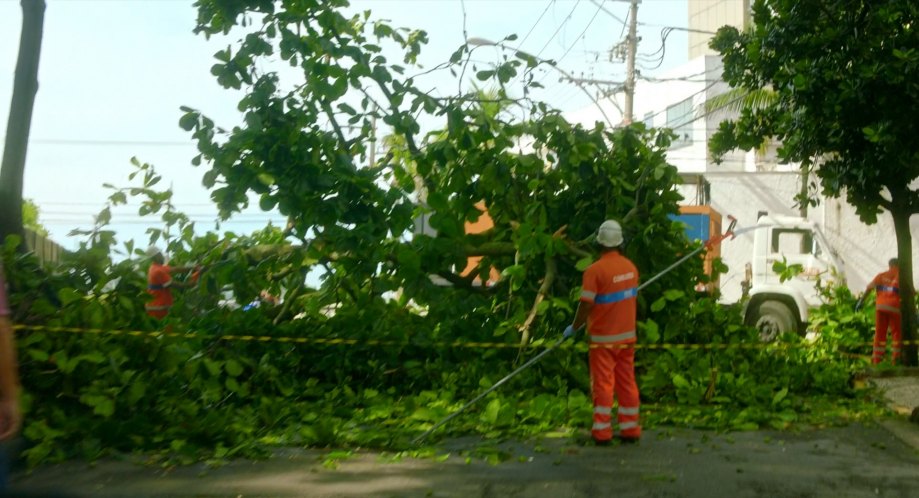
<point x="519" y="45"/>
<point x="614" y="16"/>
<point x="579" y="37"/>
<point x="700" y="92"/>
<point x="153" y="143"/>
<point x="560" y="26"/>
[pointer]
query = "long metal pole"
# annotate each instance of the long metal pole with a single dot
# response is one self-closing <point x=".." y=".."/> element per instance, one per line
<point x="490" y="389"/>
<point x="532" y="361"/>
<point x="558" y="343"/>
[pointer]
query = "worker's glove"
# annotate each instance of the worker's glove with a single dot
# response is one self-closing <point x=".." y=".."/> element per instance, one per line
<point x="569" y="332"/>
<point x="859" y="303"/>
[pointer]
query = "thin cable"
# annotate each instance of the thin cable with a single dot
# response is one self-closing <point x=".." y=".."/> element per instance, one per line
<point x="614" y="16"/>
<point x="548" y="5"/>
<point x="678" y="28"/>
<point x="560" y="26"/>
<point x="663" y="50"/>
<point x="688" y="77"/>
<point x="580" y="36"/>
<point x="700" y="92"/>
<point x="152" y="143"/>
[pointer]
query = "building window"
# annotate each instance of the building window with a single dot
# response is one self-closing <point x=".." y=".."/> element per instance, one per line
<point x="648" y="120"/>
<point x="679" y="119"/>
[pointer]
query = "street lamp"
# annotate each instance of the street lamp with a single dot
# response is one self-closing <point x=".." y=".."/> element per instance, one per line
<point x="483" y="42"/>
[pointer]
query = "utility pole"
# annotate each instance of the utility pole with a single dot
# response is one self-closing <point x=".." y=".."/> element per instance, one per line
<point x="630" y="63"/>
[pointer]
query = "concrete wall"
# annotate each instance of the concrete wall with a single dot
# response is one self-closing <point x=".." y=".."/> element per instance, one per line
<point x="709" y="15"/>
<point x="863" y="249"/>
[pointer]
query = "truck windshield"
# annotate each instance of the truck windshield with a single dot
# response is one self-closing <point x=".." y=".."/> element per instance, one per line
<point x="791" y="241"/>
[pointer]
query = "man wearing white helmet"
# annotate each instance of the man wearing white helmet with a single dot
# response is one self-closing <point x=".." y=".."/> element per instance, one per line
<point x="608" y="308"/>
<point x="160" y="283"/>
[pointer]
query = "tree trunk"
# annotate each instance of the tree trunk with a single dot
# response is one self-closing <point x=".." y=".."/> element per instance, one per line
<point x="907" y="287"/>
<point x="803" y="201"/>
<point x="25" y="86"/>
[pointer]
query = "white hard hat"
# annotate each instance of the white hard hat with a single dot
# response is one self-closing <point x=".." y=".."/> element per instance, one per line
<point x="153" y="251"/>
<point x="609" y="234"/>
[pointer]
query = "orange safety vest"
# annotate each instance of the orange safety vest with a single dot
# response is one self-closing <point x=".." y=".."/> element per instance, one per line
<point x="611" y="284"/>
<point x="887" y="285"/>
<point x="158" y="281"/>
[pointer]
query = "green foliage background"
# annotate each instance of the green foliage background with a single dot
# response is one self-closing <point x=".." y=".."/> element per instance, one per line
<point x="303" y="150"/>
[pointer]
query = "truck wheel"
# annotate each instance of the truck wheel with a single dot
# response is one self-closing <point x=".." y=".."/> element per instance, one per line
<point x="772" y="319"/>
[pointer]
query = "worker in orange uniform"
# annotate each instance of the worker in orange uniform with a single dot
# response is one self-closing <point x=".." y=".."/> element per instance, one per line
<point x="160" y="283"/>
<point x="887" y="311"/>
<point x="607" y="306"/>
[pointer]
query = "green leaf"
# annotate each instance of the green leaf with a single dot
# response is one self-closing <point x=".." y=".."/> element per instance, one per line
<point x="484" y="75"/>
<point x="214" y="367"/>
<point x="267" y="202"/>
<point x="652" y="332"/>
<point x="233" y="368"/>
<point x="188" y="121"/>
<point x="779" y="396"/>
<point x="68" y="295"/>
<point x="673" y="294"/>
<point x="583" y="263"/>
<point x="679" y="381"/>
<point x="490" y="414"/>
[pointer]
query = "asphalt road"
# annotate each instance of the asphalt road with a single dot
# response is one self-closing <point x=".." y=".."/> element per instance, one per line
<point x="853" y="461"/>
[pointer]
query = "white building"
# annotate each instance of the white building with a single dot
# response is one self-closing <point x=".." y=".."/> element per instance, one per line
<point x="745" y="183"/>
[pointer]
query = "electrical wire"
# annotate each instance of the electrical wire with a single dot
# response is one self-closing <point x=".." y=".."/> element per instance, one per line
<point x="132" y="143"/>
<point x="583" y="32"/>
<point x="700" y="92"/>
<point x="548" y="5"/>
<point x="688" y="77"/>
<point x="560" y="26"/>
<point x="663" y="50"/>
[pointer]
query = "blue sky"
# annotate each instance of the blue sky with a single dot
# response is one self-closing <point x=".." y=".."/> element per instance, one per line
<point x="113" y="74"/>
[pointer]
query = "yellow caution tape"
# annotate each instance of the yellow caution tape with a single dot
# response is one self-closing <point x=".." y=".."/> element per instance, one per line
<point x="156" y="334"/>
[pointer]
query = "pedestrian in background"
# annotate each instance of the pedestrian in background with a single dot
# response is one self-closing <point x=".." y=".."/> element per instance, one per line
<point x="608" y="307"/>
<point x="10" y="417"/>
<point x="160" y="283"/>
<point x="887" y="311"/>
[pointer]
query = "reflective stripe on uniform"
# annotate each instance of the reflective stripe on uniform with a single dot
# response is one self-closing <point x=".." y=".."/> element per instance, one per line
<point x="615" y="297"/>
<point x="628" y="411"/>
<point x="627" y="425"/>
<point x="157" y="307"/>
<point x="886" y="288"/>
<point x="603" y="410"/>
<point x="613" y="338"/>
<point x="599" y="426"/>
<point x="585" y="294"/>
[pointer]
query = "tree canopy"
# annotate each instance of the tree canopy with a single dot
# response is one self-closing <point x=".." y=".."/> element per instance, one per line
<point x="379" y="353"/>
<point x="304" y="150"/>
<point x="843" y="73"/>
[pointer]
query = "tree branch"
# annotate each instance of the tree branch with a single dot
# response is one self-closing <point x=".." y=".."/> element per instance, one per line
<point x="547" y="281"/>
<point x="463" y="282"/>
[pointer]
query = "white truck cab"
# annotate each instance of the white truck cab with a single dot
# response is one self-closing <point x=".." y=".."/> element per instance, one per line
<point x="777" y="307"/>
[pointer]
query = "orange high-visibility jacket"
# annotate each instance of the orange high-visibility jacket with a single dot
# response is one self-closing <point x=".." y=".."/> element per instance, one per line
<point x="611" y="284"/>
<point x="158" y="281"/>
<point x="887" y="285"/>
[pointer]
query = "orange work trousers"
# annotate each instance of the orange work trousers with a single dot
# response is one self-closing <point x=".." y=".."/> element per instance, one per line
<point x="882" y="321"/>
<point x="612" y="371"/>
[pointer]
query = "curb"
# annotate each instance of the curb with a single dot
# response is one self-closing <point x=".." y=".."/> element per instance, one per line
<point x="903" y="430"/>
<point x="901" y="390"/>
